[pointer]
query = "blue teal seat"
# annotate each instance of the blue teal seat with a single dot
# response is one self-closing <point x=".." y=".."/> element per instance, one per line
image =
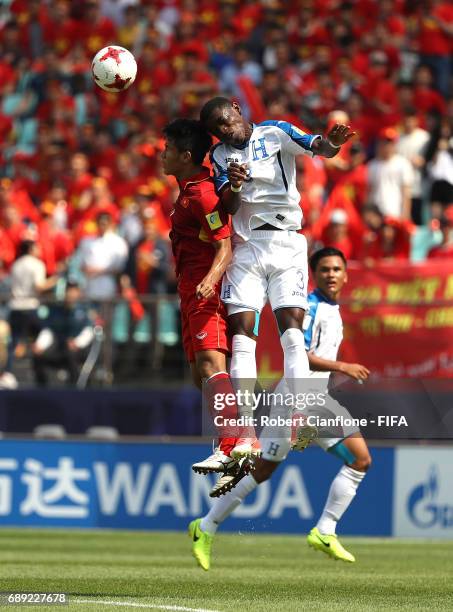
<point x="422" y="240"/>
<point x="142" y="333"/>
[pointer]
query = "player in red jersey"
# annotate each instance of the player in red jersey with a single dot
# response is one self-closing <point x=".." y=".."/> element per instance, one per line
<point x="200" y="236"/>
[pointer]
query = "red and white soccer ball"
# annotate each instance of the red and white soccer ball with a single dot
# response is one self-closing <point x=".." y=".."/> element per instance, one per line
<point x="114" y="68"/>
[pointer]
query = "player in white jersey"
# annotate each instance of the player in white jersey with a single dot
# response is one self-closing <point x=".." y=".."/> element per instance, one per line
<point x="255" y="176"/>
<point x="323" y="331"/>
<point x="323" y="335"/>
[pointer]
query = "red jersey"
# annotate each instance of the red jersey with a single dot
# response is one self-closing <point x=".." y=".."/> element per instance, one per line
<point x="7" y="251"/>
<point x="442" y="251"/>
<point x="432" y="39"/>
<point x="197" y="220"/>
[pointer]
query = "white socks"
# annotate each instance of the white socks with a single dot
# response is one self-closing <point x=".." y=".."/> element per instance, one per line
<point x="243" y="369"/>
<point x="295" y="361"/>
<point x="225" y="505"/>
<point x="243" y="362"/>
<point x="295" y="356"/>
<point x="341" y="493"/>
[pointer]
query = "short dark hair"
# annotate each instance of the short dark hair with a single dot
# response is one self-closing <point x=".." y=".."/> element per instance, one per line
<point x="211" y="106"/>
<point x="26" y="247"/>
<point x="326" y="252"/>
<point x="410" y="111"/>
<point x="374" y="208"/>
<point x="445" y="222"/>
<point x="72" y="282"/>
<point x="104" y="214"/>
<point x="189" y="135"/>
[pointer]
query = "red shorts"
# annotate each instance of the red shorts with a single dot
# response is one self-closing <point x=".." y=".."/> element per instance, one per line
<point x="203" y="324"/>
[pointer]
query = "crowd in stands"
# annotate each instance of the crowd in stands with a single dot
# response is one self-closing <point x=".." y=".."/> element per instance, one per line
<point x="79" y="167"/>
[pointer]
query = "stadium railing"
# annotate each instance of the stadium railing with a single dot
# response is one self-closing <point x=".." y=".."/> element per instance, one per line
<point x="135" y="344"/>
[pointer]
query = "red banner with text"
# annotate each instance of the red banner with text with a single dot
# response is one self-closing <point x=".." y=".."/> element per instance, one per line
<point x="398" y="321"/>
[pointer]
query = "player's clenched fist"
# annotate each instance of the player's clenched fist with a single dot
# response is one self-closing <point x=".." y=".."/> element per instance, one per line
<point x="237" y="173"/>
<point x="206" y="289"/>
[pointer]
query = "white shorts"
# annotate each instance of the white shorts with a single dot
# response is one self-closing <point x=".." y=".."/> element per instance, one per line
<point x="331" y="435"/>
<point x="272" y="266"/>
<point x="326" y="442"/>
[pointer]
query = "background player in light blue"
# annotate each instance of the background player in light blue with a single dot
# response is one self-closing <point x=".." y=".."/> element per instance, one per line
<point x="323" y="331"/>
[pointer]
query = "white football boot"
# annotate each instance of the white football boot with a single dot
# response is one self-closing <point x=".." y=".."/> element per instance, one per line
<point x="217" y="462"/>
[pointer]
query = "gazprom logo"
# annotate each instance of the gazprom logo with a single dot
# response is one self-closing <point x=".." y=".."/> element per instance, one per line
<point x="423" y="506"/>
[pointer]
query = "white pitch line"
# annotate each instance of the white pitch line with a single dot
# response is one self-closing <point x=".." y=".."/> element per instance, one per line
<point x="133" y="604"/>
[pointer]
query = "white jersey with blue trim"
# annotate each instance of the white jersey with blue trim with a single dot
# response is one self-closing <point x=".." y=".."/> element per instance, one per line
<point x="269" y="194"/>
<point x="323" y="329"/>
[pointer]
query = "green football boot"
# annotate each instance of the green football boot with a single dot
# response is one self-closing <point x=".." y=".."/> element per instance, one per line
<point x="330" y="545"/>
<point x="201" y="544"/>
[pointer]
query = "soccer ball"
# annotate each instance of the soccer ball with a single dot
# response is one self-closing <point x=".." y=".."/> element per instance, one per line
<point x="114" y="68"/>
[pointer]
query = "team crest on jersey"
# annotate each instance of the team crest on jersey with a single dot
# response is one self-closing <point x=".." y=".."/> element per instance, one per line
<point x="259" y="149"/>
<point x="185" y="202"/>
<point x="214" y="220"/>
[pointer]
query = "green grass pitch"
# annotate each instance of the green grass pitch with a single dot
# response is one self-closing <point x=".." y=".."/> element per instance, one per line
<point x="155" y="571"/>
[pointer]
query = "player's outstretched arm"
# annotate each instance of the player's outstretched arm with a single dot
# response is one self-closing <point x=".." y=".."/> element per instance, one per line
<point x="230" y="195"/>
<point x="354" y="370"/>
<point x="330" y="145"/>
<point x="207" y="288"/>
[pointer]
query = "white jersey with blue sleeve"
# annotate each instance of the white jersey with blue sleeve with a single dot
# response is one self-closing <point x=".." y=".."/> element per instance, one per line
<point x="269" y="194"/>
<point x="323" y="329"/>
